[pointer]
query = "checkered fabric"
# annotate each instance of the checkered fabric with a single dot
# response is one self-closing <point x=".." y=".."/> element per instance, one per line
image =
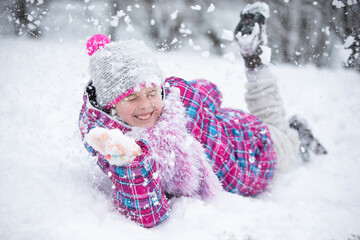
<point x="237" y="144"/>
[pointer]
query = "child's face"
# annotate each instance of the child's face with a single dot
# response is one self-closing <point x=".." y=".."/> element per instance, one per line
<point x="140" y="108"/>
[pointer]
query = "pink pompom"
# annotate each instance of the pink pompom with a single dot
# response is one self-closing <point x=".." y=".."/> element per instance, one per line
<point x="95" y="42"/>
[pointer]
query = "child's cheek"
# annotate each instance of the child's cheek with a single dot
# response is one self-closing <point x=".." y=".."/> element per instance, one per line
<point x="157" y="103"/>
<point x="160" y="107"/>
<point x="125" y="109"/>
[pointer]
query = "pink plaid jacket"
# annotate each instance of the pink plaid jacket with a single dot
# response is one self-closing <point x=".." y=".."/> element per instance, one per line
<point x="237" y="145"/>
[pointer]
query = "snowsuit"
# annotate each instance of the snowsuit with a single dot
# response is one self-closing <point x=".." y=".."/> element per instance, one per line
<point x="237" y="145"/>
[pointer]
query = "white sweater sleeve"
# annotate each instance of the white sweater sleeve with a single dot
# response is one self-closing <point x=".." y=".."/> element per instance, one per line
<point x="264" y="101"/>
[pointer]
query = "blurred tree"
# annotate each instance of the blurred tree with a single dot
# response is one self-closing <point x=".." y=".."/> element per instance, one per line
<point x="163" y="22"/>
<point x="116" y="6"/>
<point x="300" y="32"/>
<point x="346" y="25"/>
<point x="307" y="31"/>
<point x="170" y="23"/>
<point x="204" y="23"/>
<point x="26" y="16"/>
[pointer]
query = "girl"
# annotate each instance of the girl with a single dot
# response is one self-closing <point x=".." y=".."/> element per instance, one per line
<point x="185" y="143"/>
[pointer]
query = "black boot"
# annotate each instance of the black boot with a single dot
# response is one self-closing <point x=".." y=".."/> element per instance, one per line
<point x="307" y="140"/>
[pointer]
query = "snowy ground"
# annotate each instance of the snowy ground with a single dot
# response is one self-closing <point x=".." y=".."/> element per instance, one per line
<point x="51" y="189"/>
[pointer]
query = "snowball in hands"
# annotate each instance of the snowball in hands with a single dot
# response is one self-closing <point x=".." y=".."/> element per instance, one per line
<point x="117" y="148"/>
<point x="249" y="42"/>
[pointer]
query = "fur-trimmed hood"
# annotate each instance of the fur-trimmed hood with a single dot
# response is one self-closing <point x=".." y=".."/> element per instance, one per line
<point x="182" y="165"/>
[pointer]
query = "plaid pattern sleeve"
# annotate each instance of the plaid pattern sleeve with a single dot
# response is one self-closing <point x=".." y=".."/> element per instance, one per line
<point x="137" y="189"/>
<point x="137" y="192"/>
<point x="209" y="94"/>
<point x="237" y="144"/>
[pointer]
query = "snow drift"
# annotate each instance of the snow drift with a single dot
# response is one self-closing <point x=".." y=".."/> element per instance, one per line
<point x="52" y="189"/>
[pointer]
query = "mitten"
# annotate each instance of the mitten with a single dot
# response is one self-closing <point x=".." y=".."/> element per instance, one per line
<point x="250" y="35"/>
<point x="117" y="148"/>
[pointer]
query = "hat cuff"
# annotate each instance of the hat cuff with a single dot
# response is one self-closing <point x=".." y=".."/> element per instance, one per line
<point x="118" y="99"/>
<point x="126" y="93"/>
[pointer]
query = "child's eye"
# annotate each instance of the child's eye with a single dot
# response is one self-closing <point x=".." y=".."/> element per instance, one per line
<point x="152" y="94"/>
<point x="131" y="98"/>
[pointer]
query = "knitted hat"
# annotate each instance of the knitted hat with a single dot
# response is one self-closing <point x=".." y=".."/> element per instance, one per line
<point x="117" y="68"/>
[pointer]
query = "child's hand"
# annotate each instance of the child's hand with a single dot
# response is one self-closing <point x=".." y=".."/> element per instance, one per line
<point x="117" y="148"/>
<point x="249" y="43"/>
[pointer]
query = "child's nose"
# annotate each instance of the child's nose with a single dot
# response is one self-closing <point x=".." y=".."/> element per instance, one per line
<point x="144" y="102"/>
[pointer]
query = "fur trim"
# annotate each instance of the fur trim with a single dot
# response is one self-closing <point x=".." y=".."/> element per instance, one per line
<point x="182" y="163"/>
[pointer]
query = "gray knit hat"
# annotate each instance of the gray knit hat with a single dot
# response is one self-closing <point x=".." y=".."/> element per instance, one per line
<point x="117" y="68"/>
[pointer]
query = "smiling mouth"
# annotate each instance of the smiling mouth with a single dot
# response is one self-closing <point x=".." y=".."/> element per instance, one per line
<point x="144" y="116"/>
